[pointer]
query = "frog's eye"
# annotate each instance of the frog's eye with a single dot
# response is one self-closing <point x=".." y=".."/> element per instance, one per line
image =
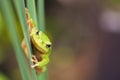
<point x="37" y="33"/>
<point x="48" y="45"/>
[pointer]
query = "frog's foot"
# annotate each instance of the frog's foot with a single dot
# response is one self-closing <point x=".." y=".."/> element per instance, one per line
<point x="35" y="61"/>
<point x="34" y="65"/>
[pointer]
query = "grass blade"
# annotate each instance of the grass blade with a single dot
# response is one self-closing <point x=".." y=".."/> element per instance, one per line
<point x="32" y="10"/>
<point x="8" y="14"/>
<point x="42" y="76"/>
<point x="20" y="8"/>
<point x="41" y="26"/>
<point x="40" y="10"/>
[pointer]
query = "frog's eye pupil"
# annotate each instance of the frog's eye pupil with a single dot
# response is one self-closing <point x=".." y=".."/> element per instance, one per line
<point x="48" y="45"/>
<point x="37" y="33"/>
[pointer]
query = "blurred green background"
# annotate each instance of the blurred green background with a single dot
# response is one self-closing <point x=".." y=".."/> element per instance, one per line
<point x="85" y="36"/>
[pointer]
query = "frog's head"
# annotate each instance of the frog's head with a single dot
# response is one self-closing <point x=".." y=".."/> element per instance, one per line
<point x="40" y="40"/>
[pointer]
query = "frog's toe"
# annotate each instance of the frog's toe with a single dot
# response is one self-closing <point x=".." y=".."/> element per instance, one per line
<point x="34" y="59"/>
<point x="34" y="65"/>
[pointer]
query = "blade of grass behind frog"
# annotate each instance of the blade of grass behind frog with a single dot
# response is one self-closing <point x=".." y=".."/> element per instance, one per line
<point x="20" y="8"/>
<point x="8" y="14"/>
<point x="32" y="10"/>
<point x="41" y="26"/>
<point x="41" y="16"/>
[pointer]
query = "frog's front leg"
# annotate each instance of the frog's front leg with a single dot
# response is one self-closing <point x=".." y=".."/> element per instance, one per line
<point x="35" y="61"/>
<point x="41" y="66"/>
<point x="44" y="62"/>
<point x="41" y="63"/>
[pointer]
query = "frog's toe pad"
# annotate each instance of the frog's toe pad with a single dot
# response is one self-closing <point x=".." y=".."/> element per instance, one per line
<point x="34" y="65"/>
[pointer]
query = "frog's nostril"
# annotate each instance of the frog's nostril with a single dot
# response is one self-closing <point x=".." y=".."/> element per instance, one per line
<point x="48" y="45"/>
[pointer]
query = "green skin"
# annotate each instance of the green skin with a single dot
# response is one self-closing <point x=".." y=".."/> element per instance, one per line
<point x="43" y="44"/>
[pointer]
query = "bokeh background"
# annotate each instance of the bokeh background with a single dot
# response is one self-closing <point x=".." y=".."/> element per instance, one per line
<point x="86" y="41"/>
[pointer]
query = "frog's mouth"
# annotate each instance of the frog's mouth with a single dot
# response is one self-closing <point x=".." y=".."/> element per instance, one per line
<point x="37" y="46"/>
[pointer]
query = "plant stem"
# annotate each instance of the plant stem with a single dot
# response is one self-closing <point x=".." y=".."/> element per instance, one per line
<point x="40" y="13"/>
<point x="41" y="26"/>
<point x="14" y="38"/>
<point x="32" y="10"/>
<point x="20" y="8"/>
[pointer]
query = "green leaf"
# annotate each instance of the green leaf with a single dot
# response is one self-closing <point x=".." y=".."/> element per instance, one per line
<point x="32" y="10"/>
<point x="8" y="14"/>
<point x="41" y="16"/>
<point x="20" y="8"/>
<point x="7" y="10"/>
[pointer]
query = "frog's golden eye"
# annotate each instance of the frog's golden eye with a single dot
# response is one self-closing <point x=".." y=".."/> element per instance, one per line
<point x="48" y="45"/>
<point x="37" y="33"/>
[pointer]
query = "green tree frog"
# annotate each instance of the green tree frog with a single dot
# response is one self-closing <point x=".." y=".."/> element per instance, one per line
<point x="41" y="46"/>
